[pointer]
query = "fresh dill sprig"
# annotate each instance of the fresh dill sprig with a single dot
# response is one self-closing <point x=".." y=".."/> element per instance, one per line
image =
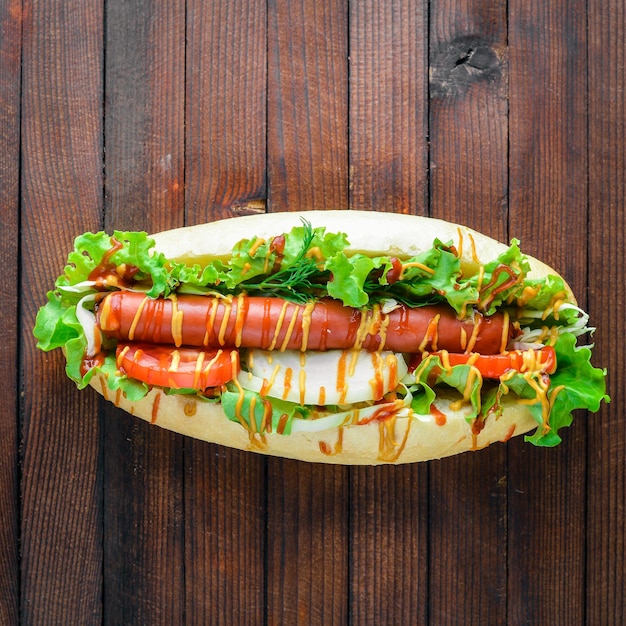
<point x="299" y="280"/>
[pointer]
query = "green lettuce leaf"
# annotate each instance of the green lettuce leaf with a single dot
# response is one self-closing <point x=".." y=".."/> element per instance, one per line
<point x="56" y="324"/>
<point x="349" y="275"/>
<point x="577" y="384"/>
<point x="502" y="279"/>
<point x="253" y="407"/>
<point x="122" y="250"/>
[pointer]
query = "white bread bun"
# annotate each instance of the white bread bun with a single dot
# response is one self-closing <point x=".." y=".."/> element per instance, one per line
<point x="399" y="440"/>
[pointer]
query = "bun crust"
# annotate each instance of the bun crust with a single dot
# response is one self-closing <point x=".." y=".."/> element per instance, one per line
<point x="400" y="440"/>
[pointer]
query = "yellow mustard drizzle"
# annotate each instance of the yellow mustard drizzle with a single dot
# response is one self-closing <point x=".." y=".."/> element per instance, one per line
<point x="377" y="383"/>
<point x="269" y="383"/>
<point x="341" y="386"/>
<point x="554" y="305"/>
<point x="133" y="325"/>
<point x="105" y="310"/>
<point x="228" y="306"/>
<point x="175" y="362"/>
<point x="474" y="336"/>
<point x="240" y="318"/>
<point x="177" y="322"/>
<point x="302" y="384"/>
<point x="463" y="339"/>
<point x="210" y="321"/>
<point x="389" y="450"/>
<point x="382" y="331"/>
<point x="363" y="329"/>
<point x="258" y="242"/>
<point x="473" y="375"/>
<point x="104" y="389"/>
<point x="528" y="293"/>
<point x="121" y="355"/>
<point x="421" y="266"/>
<point x="474" y="254"/>
<point x="432" y="334"/>
<point x="372" y="321"/>
<point x="391" y="363"/>
<point x="504" y="338"/>
<point x="541" y="387"/>
<point x="314" y="253"/>
<point x="233" y="359"/>
<point x="306" y="324"/>
<point x="198" y="368"/>
<point x="292" y="324"/>
<point x="460" y="246"/>
<point x="279" y="325"/>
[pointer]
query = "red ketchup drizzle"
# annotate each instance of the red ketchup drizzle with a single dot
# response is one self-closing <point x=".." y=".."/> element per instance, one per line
<point x="106" y="268"/>
<point x="278" y="246"/>
<point x="395" y="273"/>
<point x="91" y="362"/>
<point x="500" y="288"/>
<point x="440" y="418"/>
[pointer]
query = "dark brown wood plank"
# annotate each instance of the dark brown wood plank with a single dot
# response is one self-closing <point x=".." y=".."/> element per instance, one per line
<point x="389" y="539"/>
<point x="10" y="83"/>
<point x="388" y="171"/>
<point x="61" y="541"/>
<point x="388" y="106"/>
<point x="307" y="105"/>
<point x="468" y="137"/>
<point x="308" y="543"/>
<point x="548" y="204"/>
<point x="606" y="496"/>
<point x="225" y="490"/>
<point x="226" y="87"/>
<point x="144" y="166"/>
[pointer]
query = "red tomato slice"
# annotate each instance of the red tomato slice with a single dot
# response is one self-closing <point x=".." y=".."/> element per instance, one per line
<point x="496" y="365"/>
<point x="177" y="368"/>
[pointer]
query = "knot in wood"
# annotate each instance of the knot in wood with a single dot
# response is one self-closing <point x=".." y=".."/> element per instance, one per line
<point x="457" y="65"/>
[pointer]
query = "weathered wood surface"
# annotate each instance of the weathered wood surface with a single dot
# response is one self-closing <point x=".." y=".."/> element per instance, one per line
<point x="506" y="116"/>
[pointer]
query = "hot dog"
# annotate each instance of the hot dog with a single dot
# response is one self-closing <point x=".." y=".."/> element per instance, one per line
<point x="257" y="322"/>
<point x="335" y="336"/>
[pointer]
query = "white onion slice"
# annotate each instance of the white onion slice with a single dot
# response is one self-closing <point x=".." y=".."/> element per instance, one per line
<point x="322" y="378"/>
<point x="87" y="320"/>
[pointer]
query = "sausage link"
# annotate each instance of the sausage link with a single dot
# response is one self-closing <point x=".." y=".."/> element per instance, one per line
<point x="274" y="323"/>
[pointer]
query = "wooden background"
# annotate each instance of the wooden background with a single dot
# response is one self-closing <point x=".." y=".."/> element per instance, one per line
<point x="506" y="116"/>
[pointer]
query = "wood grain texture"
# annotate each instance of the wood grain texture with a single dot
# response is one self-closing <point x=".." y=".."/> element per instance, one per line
<point x="225" y="164"/>
<point x="388" y="106"/>
<point x="389" y="557"/>
<point x="606" y="489"/>
<point x="468" y="114"/>
<point x="307" y="105"/>
<point x="10" y="84"/>
<point x="61" y="530"/>
<point x="468" y="185"/>
<point x="548" y="196"/>
<point x="226" y="93"/>
<point x="143" y="465"/>
<point x="225" y="535"/>
<point x="388" y="171"/>
<point x="307" y="544"/>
